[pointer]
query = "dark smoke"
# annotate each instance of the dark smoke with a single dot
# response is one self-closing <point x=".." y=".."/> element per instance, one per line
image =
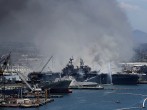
<point x="95" y="30"/>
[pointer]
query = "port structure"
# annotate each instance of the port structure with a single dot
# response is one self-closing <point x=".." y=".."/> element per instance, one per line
<point x="24" y="80"/>
<point x="4" y="60"/>
<point x="28" y="85"/>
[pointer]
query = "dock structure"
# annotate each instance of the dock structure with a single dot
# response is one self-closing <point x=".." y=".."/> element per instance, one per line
<point x="25" y="103"/>
<point x="34" y="101"/>
<point x="87" y="87"/>
<point x="21" y="93"/>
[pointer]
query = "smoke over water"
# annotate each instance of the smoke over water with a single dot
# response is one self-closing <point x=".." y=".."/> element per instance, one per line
<point x="95" y="30"/>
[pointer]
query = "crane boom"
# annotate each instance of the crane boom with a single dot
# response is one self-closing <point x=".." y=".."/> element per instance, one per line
<point x="46" y="64"/>
<point x="24" y="80"/>
<point x="4" y="62"/>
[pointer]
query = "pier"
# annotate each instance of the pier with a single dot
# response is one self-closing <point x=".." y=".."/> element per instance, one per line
<point x="25" y="103"/>
<point x="87" y="88"/>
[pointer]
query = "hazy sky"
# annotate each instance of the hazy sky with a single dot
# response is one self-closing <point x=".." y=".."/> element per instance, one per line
<point x="96" y="30"/>
<point x="136" y="11"/>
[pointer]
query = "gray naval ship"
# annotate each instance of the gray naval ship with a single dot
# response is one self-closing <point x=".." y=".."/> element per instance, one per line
<point x="84" y="73"/>
<point x="43" y="80"/>
<point x="51" y="81"/>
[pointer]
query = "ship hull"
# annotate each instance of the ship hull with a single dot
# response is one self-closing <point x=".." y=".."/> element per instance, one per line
<point x="125" y="79"/>
<point x="50" y="81"/>
<point x="104" y="78"/>
<point x="10" y="91"/>
<point x="118" y="79"/>
<point x="61" y="86"/>
<point x="60" y="90"/>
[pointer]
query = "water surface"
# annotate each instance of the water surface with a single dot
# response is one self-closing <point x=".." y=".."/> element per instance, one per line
<point x="113" y="98"/>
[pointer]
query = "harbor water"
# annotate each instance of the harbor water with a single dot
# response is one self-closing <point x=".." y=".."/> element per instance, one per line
<point x="111" y="98"/>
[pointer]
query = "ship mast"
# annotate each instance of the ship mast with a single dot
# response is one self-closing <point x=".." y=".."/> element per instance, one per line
<point x="4" y="63"/>
<point x="81" y="62"/>
<point x="70" y="61"/>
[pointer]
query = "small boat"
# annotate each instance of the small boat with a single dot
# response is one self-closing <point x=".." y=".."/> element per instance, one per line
<point x="29" y="105"/>
<point x="84" y="85"/>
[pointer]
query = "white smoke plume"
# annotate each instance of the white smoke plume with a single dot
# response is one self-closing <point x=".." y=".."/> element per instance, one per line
<point x="95" y="30"/>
